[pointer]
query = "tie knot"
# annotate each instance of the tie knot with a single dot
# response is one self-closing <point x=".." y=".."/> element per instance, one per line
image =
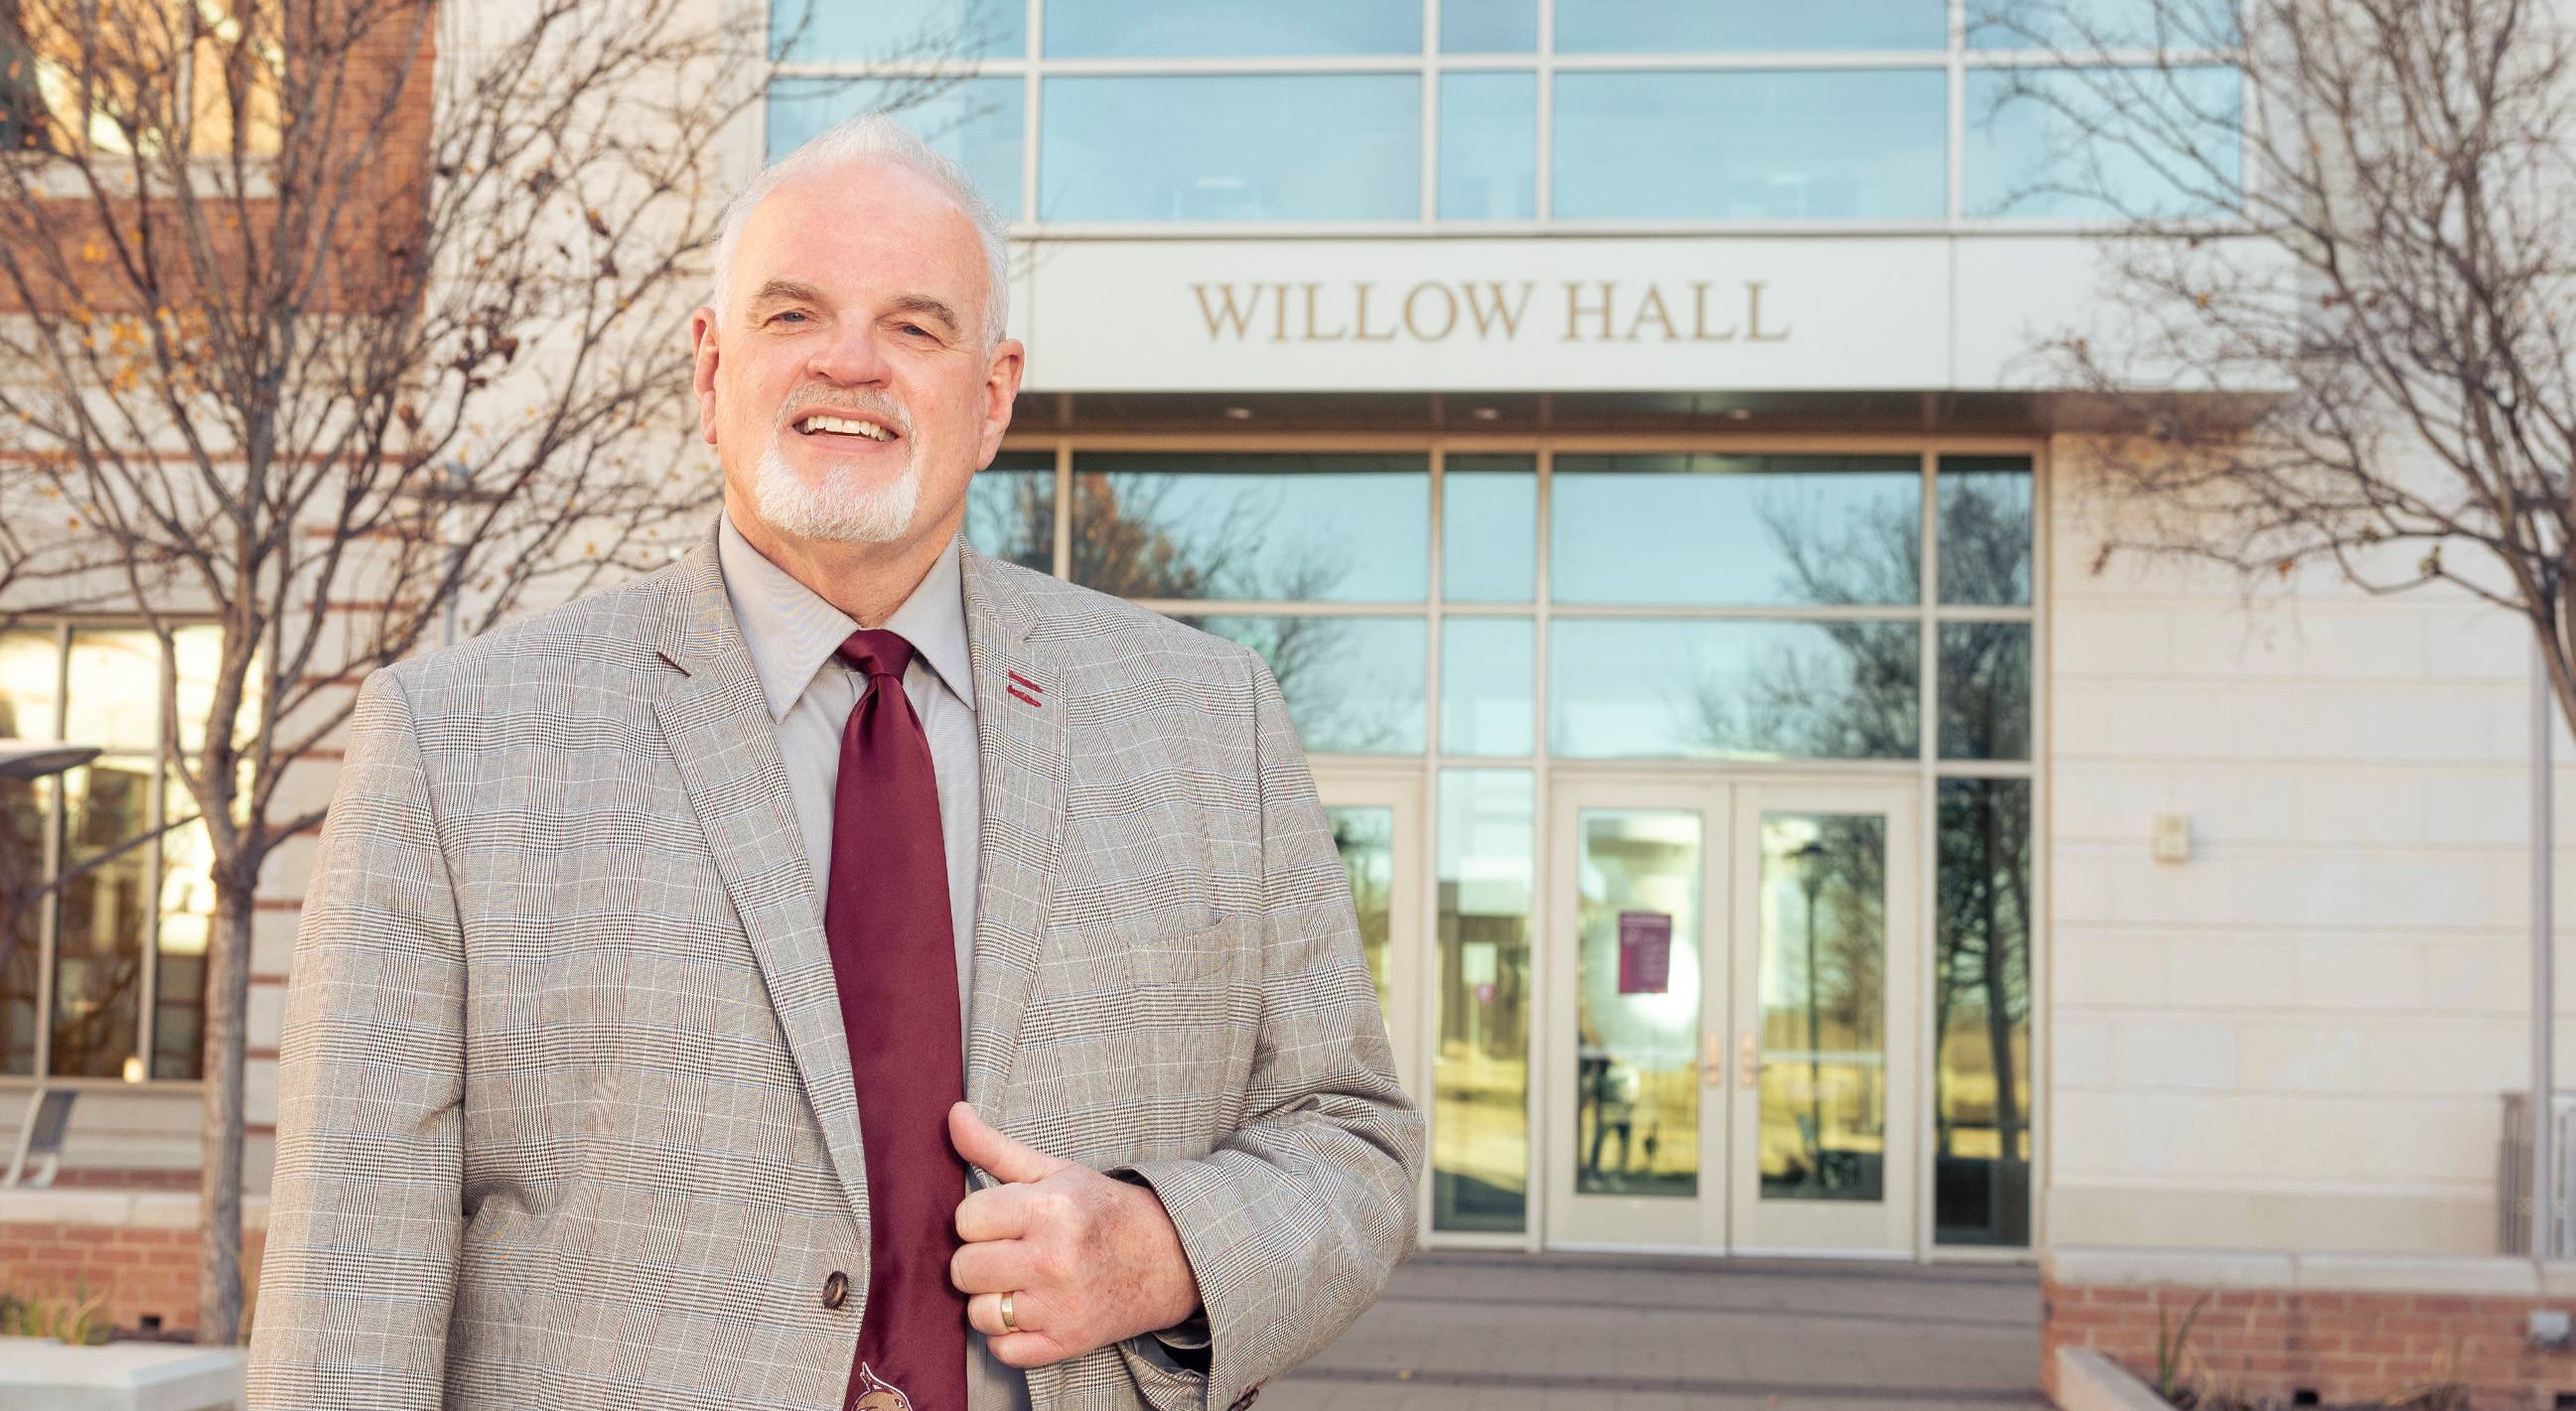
<point x="877" y="653"/>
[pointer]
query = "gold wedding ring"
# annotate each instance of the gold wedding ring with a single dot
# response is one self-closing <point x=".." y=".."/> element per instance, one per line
<point x="1009" y="1325"/>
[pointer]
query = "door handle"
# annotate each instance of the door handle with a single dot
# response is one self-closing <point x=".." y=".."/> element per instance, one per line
<point x="1749" y="1064"/>
<point x="1712" y="1061"/>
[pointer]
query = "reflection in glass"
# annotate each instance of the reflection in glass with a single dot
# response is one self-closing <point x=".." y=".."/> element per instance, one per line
<point x="25" y="806"/>
<point x="1480" y="1077"/>
<point x="1985" y="690"/>
<point x="1985" y="529"/>
<point x="1981" y="1015"/>
<point x="186" y="927"/>
<point x="1822" y="1007"/>
<point x="115" y="689"/>
<point x="98" y="943"/>
<point x="1665" y="688"/>
<point x="1488" y="26"/>
<point x="1637" y="1021"/>
<point x="1229" y="29"/>
<point x="1489" y="529"/>
<point x="1488" y="146"/>
<point x="1748" y="531"/>
<point x="2047" y="143"/>
<point x="2073" y="26"/>
<point x="1365" y="837"/>
<point x="821" y="32"/>
<point x="1010" y="509"/>
<point x="974" y="122"/>
<point x="1255" y="147"/>
<point x="1696" y="26"/>
<point x="1354" y="684"/>
<point x="1487" y="666"/>
<point x="29" y="675"/>
<point x="1259" y="527"/>
<point x="1860" y="144"/>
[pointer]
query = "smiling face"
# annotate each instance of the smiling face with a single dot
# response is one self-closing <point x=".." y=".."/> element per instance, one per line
<point x="847" y="388"/>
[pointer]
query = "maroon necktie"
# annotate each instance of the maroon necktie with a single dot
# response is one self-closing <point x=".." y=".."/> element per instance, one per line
<point x="894" y="960"/>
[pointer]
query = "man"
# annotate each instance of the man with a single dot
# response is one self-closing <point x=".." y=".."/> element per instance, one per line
<point x="653" y="940"/>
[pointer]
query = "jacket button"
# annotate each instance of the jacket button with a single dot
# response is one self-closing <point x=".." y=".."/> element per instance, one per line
<point x="836" y="1289"/>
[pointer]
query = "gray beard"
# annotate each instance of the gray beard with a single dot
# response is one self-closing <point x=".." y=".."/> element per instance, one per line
<point x="836" y="511"/>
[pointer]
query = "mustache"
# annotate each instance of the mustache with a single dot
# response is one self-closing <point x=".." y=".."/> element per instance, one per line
<point x="876" y="404"/>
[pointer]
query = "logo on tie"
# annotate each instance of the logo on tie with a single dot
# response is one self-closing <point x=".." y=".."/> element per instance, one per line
<point x="1024" y="688"/>
<point x="875" y="1393"/>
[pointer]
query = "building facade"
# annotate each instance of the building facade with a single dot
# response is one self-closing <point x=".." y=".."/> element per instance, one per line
<point x="1774" y="828"/>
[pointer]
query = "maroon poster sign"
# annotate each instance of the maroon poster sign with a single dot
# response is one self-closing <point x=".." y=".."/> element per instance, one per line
<point x="1645" y="952"/>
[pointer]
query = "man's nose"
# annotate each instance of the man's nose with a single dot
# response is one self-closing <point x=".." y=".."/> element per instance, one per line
<point x="851" y="359"/>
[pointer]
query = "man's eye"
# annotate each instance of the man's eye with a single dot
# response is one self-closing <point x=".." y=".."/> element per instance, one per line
<point x="916" y="328"/>
<point x="797" y="314"/>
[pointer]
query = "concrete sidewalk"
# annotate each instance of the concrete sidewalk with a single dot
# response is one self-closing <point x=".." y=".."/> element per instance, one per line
<point x="1496" y="1332"/>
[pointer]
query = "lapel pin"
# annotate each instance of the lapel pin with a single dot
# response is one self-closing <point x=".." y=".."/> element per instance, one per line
<point x="1024" y="688"/>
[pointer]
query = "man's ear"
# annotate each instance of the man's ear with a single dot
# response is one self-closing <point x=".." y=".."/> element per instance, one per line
<point x="702" y="354"/>
<point x="1001" y="388"/>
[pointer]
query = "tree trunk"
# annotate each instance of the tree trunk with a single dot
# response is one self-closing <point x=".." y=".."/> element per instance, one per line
<point x="219" y="1198"/>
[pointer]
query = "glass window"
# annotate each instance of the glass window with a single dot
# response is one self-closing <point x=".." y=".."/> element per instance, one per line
<point x="1985" y="530"/>
<point x="2055" y="144"/>
<point x="1010" y="509"/>
<point x="1666" y="688"/>
<point x="2066" y="26"/>
<point x="1985" y="690"/>
<point x="1488" y="26"/>
<point x="25" y="807"/>
<point x="1354" y="684"/>
<point x="1488" y="146"/>
<point x="1981" y="1114"/>
<point x="1489" y="529"/>
<point x="1229" y="29"/>
<point x="1749" y="531"/>
<point x="98" y="951"/>
<point x="1697" y="26"/>
<point x="973" y="122"/>
<point x="1256" y="527"/>
<point x="1365" y="837"/>
<point x="1487" y="671"/>
<point x="882" y="31"/>
<point x="30" y="663"/>
<point x="186" y="927"/>
<point x="1254" y="147"/>
<point x="115" y="690"/>
<point x="1480" y="1081"/>
<point x="1867" y="144"/>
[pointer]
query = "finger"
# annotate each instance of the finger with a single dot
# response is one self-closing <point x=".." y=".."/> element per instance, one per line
<point x="984" y="1315"/>
<point x="1030" y="1350"/>
<point x="998" y="1267"/>
<point x="1003" y="1158"/>
<point x="997" y="1213"/>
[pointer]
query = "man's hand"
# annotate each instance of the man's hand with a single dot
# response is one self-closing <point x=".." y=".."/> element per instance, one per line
<point x="1087" y="1260"/>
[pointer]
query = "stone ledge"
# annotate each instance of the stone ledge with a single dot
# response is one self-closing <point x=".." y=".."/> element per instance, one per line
<point x="2089" y="1381"/>
<point x="2494" y="1276"/>
<point x="118" y="1209"/>
<point x="47" y="1376"/>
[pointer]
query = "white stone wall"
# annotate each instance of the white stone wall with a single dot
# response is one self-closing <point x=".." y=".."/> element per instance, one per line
<point x="2296" y="1039"/>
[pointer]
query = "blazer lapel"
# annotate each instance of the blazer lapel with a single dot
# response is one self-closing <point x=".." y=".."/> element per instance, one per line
<point x="721" y="734"/>
<point x="1019" y="738"/>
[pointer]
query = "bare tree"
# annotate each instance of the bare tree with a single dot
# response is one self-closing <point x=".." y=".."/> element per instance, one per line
<point x="2359" y="212"/>
<point x="350" y="326"/>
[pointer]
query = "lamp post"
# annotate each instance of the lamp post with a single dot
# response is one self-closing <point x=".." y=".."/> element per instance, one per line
<point x="1811" y="880"/>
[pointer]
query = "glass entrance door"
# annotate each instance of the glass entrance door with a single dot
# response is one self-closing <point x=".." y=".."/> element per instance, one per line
<point x="1377" y="828"/>
<point x="1731" y="979"/>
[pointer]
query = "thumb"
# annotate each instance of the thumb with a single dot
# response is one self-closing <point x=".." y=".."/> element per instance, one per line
<point x="982" y="1144"/>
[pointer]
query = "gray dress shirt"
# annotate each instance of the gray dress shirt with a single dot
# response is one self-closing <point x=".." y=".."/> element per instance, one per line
<point x="793" y="635"/>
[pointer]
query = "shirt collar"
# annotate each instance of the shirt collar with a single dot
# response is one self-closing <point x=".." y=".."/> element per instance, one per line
<point x="792" y="632"/>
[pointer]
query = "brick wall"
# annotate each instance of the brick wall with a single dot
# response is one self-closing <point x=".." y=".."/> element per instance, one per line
<point x="137" y="1245"/>
<point x="2348" y="1347"/>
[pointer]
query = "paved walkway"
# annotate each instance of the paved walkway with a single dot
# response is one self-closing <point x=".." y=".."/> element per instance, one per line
<point x="1485" y="1332"/>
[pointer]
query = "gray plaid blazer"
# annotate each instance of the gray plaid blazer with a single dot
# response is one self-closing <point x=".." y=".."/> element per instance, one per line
<point x="564" y="1107"/>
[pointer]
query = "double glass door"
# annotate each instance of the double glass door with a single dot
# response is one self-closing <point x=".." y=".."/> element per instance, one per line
<point x="1734" y="972"/>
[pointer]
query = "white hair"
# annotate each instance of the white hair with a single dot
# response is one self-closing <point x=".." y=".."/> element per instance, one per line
<point x="876" y="137"/>
<point x="837" y="511"/>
